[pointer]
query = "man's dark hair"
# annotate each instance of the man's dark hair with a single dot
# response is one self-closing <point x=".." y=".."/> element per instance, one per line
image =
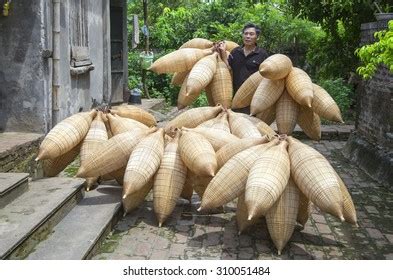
<point x="251" y="25"/>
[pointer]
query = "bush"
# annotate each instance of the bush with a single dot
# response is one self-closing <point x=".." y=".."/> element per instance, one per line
<point x="342" y="93"/>
<point x="159" y="86"/>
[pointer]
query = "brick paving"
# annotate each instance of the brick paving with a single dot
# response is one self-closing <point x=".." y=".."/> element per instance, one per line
<point x="189" y="234"/>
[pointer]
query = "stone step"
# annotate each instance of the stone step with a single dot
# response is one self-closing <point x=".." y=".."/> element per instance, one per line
<point x="12" y="185"/>
<point x="18" y="151"/>
<point x="328" y="132"/>
<point x="84" y="228"/>
<point x="30" y="217"/>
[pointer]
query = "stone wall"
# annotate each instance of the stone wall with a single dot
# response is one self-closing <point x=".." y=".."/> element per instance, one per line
<point x="375" y="118"/>
<point x="370" y="146"/>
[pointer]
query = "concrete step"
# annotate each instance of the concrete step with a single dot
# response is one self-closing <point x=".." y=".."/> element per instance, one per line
<point x="11" y="186"/>
<point x="30" y="217"/>
<point x="84" y="228"/>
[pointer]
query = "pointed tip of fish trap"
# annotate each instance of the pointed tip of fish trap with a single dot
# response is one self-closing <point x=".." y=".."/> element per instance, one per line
<point x="342" y="218"/>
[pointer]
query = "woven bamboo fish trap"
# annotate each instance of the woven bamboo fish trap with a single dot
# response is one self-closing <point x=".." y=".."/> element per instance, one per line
<point x="169" y="181"/>
<point x="242" y="215"/>
<point x="315" y="177"/>
<point x="230" y="180"/>
<point x="287" y="111"/>
<point x="107" y="177"/>
<point x="210" y="123"/>
<point x="178" y="61"/>
<point x="187" y="191"/>
<point x="219" y="123"/>
<point x="65" y="135"/>
<point x="349" y="211"/>
<point x="144" y="162"/>
<point x="230" y="45"/>
<point x="118" y="175"/>
<point x="309" y="122"/>
<point x="325" y="106"/>
<point x="267" y="180"/>
<point x="275" y="67"/>
<point x="242" y="127"/>
<point x="266" y="95"/>
<point x="201" y="74"/>
<point x="135" y="113"/>
<point x="299" y="86"/>
<point x="217" y="138"/>
<point x="179" y="77"/>
<point x="209" y="96"/>
<point x="304" y="209"/>
<point x="112" y="154"/>
<point x="193" y="117"/>
<point x="135" y="199"/>
<point x="221" y="85"/>
<point x="235" y="147"/>
<point x="252" y="119"/>
<point x="52" y="167"/>
<point x="107" y="125"/>
<point x="197" y="153"/>
<point x="119" y="124"/>
<point x="281" y="218"/>
<point x="198" y="43"/>
<point x="94" y="138"/>
<point x="264" y="129"/>
<point x="244" y="94"/>
<point x="268" y="116"/>
<point x="198" y="183"/>
<point x="184" y="100"/>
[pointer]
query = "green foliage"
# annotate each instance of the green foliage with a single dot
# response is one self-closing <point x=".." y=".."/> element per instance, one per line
<point x="341" y="20"/>
<point x="201" y="101"/>
<point x="341" y="92"/>
<point x="380" y="52"/>
<point x="224" y="20"/>
<point x="158" y="85"/>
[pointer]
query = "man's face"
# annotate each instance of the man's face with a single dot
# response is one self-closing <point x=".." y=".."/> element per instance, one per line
<point x="250" y="37"/>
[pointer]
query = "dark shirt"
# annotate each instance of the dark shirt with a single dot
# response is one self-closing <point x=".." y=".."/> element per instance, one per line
<point x="244" y="66"/>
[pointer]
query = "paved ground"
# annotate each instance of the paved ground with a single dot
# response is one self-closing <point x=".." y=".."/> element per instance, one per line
<point x="191" y="235"/>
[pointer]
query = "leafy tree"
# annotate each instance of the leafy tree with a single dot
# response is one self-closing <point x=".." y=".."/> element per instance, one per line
<point x="341" y="19"/>
<point x="380" y="52"/>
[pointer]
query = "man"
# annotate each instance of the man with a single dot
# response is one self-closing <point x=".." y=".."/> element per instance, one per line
<point x="245" y="59"/>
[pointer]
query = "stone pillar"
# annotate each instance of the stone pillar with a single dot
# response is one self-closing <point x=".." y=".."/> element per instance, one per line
<point x="370" y="146"/>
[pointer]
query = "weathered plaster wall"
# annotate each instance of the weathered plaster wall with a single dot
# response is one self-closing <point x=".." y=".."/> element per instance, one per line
<point x="24" y="74"/>
<point x="78" y="92"/>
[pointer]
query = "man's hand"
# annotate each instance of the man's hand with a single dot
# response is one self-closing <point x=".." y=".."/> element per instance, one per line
<point x="221" y="48"/>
